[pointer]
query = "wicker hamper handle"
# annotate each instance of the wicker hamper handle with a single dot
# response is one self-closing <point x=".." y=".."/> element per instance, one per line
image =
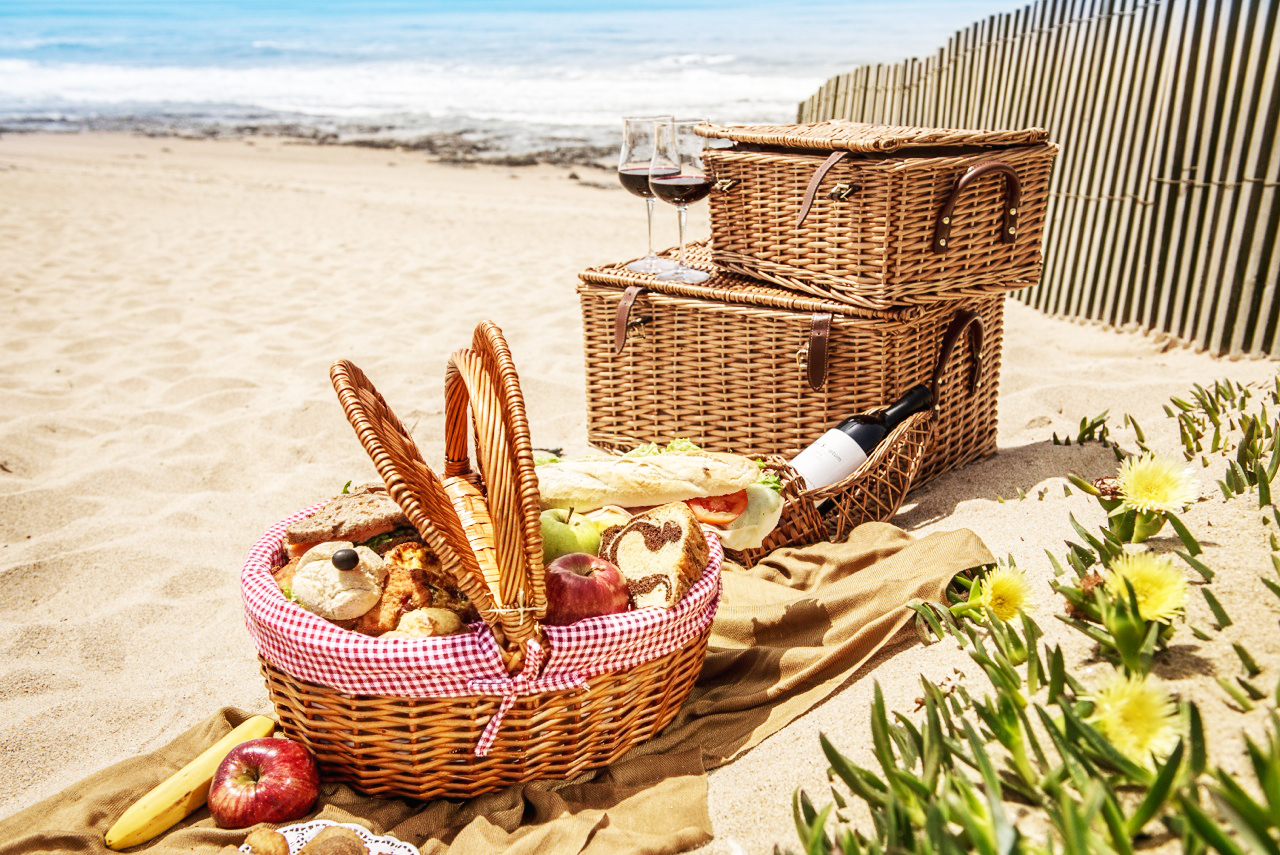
<point x="1009" y="214"/>
<point x="964" y="319"/>
<point x="484" y="526"/>
<point x="410" y="482"/>
<point x="482" y="396"/>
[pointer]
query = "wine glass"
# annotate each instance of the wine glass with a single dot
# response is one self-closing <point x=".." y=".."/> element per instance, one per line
<point x="638" y="133"/>
<point x="677" y="175"/>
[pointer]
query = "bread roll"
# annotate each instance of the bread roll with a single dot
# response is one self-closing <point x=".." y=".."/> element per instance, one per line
<point x="655" y="479"/>
<point x="661" y="552"/>
<point x="335" y="594"/>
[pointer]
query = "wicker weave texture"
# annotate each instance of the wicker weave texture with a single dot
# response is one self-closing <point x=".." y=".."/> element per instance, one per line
<point x="727" y="369"/>
<point x="872" y="494"/>
<point x="846" y="135"/>
<point x="422" y="748"/>
<point x="868" y="237"/>
<point x="483" y="522"/>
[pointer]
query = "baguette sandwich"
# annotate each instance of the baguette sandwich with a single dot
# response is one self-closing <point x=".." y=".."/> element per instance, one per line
<point x="727" y="492"/>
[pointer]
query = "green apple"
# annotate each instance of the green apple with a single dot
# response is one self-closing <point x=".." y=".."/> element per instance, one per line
<point x="564" y="532"/>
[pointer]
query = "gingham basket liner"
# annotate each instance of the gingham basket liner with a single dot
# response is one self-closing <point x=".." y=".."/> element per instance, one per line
<point x="467" y="664"/>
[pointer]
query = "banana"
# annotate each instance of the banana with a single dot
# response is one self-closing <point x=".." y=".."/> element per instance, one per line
<point x="183" y="793"/>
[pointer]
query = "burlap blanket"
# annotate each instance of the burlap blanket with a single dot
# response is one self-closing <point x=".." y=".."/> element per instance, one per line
<point x="787" y="634"/>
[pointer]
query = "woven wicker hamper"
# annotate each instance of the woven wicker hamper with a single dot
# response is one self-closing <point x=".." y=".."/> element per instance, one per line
<point x="877" y="216"/>
<point x="512" y="699"/>
<point x="738" y="365"/>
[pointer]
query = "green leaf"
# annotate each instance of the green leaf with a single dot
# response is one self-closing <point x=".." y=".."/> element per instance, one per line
<point x="1159" y="791"/>
<point x="1250" y="819"/>
<point x="1114" y="818"/>
<point x="1207" y="830"/>
<point x="1196" y="564"/>
<point x="1271" y="586"/>
<point x="1246" y="659"/>
<point x="880" y="741"/>
<point x="862" y="783"/>
<point x="1236" y="695"/>
<point x="1266" y="766"/>
<point x="1198" y="760"/>
<point x="1057" y="675"/>
<point x="1219" y="613"/>
<point x="1102" y="747"/>
<point x="926" y="615"/>
<point x="1192" y="545"/>
<point x="1089" y="538"/>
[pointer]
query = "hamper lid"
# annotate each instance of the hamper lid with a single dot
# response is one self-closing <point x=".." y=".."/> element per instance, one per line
<point x="727" y="287"/>
<point x="863" y="137"/>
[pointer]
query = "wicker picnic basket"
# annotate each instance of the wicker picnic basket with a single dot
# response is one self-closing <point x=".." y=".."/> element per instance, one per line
<point x="509" y="701"/>
<point x="879" y="216"/>
<point x="739" y="365"/>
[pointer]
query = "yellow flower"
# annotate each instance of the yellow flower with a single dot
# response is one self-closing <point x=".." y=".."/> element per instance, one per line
<point x="1005" y="591"/>
<point x="1136" y="717"/>
<point x="1149" y="483"/>
<point x="1161" y="590"/>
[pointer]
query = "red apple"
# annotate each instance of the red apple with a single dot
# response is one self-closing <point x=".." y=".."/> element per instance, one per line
<point x="263" y="780"/>
<point x="581" y="585"/>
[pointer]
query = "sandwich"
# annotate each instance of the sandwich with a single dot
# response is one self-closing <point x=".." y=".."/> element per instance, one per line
<point x="729" y="493"/>
<point x="364" y="516"/>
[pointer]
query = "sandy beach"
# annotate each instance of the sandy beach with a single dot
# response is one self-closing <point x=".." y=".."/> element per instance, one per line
<point x="173" y="306"/>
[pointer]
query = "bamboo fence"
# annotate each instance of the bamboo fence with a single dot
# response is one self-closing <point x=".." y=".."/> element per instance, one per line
<point x="1163" y="210"/>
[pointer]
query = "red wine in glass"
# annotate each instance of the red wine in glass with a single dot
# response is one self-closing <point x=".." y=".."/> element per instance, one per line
<point x="635" y="162"/>
<point x="680" y="189"/>
<point x="636" y="180"/>
<point x="678" y="176"/>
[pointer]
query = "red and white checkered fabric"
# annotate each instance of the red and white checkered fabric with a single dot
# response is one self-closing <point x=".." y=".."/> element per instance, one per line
<point x="467" y="664"/>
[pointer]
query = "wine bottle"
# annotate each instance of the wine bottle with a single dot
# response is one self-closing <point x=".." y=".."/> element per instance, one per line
<point x="841" y="451"/>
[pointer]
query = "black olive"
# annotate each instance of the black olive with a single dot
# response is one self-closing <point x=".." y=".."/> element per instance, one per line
<point x="346" y="559"/>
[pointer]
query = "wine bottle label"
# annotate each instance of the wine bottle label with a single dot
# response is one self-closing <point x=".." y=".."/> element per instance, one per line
<point x="834" y="457"/>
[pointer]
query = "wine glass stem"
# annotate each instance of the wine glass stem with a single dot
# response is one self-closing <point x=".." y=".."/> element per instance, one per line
<point x="649" y="203"/>
<point x="684" y="213"/>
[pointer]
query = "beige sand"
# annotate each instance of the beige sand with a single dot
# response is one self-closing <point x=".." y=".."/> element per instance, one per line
<point x="171" y="309"/>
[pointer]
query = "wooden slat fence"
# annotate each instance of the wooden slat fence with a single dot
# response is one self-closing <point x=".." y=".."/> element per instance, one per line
<point x="1163" y="210"/>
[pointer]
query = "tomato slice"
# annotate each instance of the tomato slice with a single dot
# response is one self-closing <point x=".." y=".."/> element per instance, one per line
<point x="719" y="510"/>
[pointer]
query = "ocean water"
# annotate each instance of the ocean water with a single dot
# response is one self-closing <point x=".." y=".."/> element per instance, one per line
<point x="516" y="76"/>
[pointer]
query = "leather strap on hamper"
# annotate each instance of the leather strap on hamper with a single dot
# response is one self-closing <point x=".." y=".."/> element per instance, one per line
<point x="624" y="315"/>
<point x="1009" y="216"/>
<point x="815" y="182"/>
<point x="963" y="320"/>
<point x="817" y="350"/>
<point x="814" y="355"/>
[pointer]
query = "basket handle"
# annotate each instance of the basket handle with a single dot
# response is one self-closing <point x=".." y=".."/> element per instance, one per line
<point x="1009" y="214"/>
<point x="410" y="482"/>
<point x="483" y="401"/>
<point x="964" y="319"/>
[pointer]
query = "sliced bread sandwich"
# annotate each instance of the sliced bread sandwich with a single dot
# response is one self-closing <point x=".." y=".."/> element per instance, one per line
<point x="360" y="516"/>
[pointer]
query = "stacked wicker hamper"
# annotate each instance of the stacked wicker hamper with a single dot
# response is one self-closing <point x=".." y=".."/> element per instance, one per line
<point x="843" y="254"/>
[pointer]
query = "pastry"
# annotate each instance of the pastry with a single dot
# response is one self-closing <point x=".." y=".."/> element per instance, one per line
<point x="661" y="552"/>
